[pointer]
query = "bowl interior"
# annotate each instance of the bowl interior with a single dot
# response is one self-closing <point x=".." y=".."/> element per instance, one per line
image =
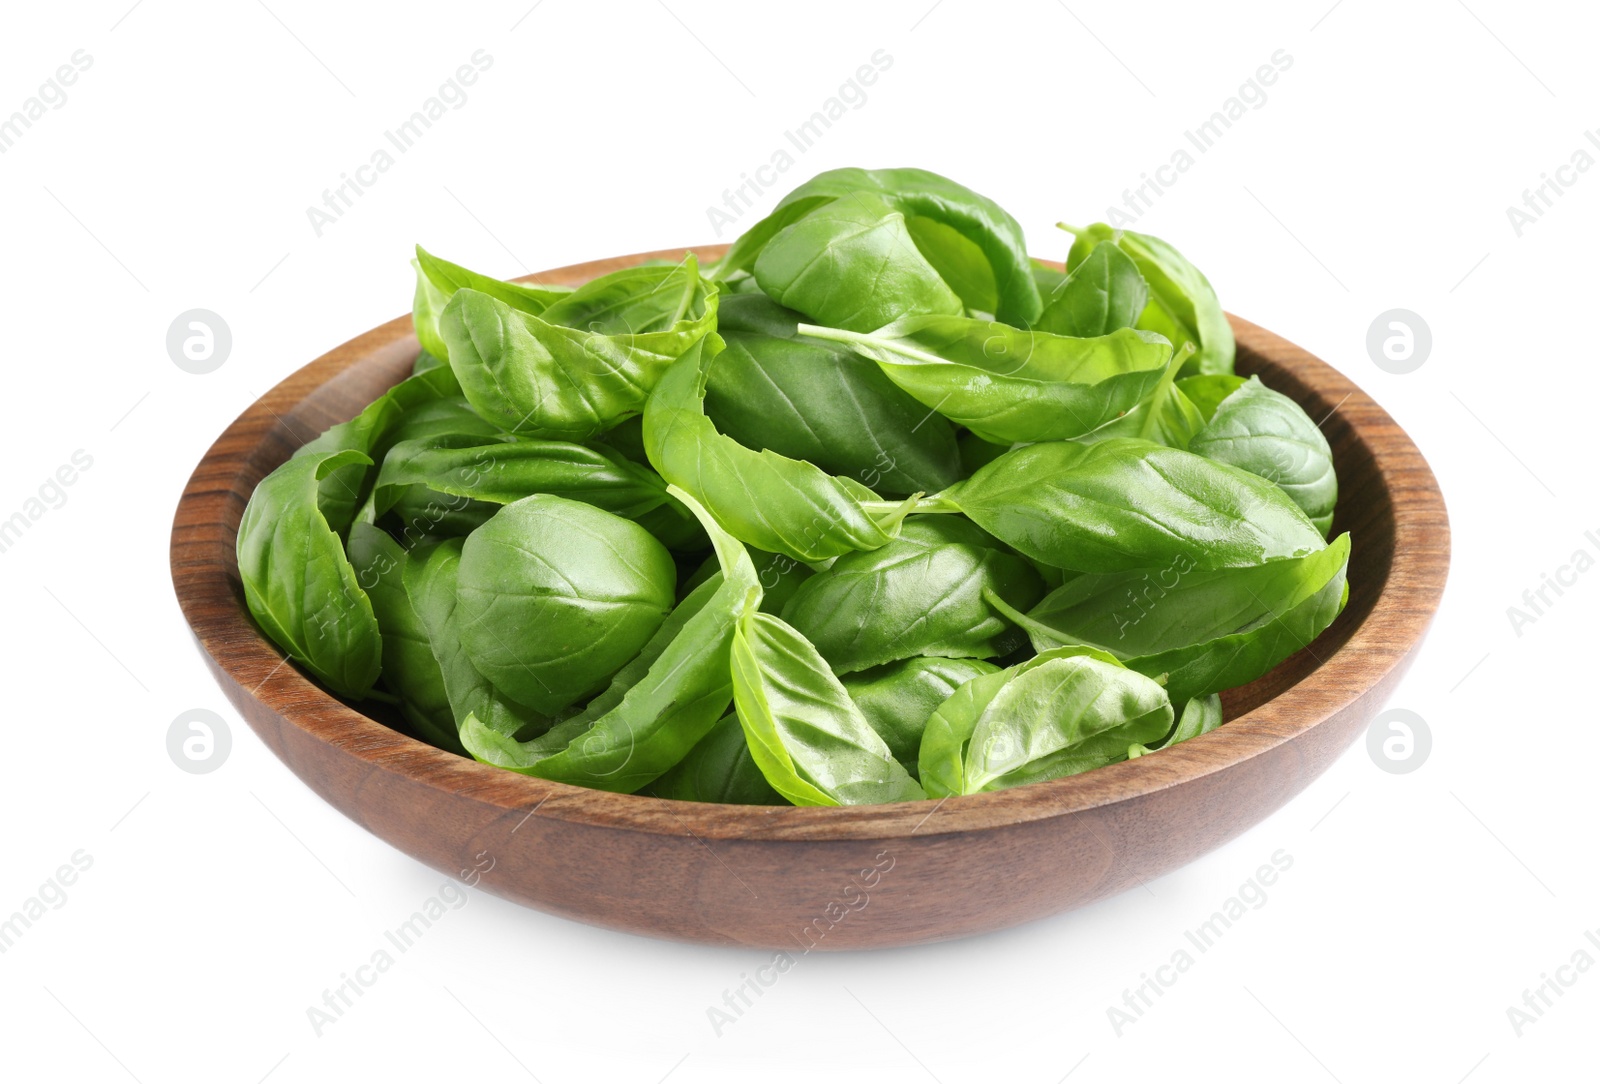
<point x="1369" y="451"/>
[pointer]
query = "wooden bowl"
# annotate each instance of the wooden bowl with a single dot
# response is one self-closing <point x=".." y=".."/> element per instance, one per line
<point x="825" y="878"/>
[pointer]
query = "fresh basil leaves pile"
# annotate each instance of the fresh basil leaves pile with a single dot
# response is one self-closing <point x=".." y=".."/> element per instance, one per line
<point x="875" y="509"/>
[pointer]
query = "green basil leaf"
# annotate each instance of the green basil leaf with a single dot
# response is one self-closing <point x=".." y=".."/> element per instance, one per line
<point x="921" y="594"/>
<point x="1182" y="307"/>
<point x="805" y="733"/>
<point x="854" y="262"/>
<point x="767" y="500"/>
<point x="371" y="432"/>
<point x="427" y="302"/>
<point x="897" y="698"/>
<point x="653" y="298"/>
<point x="1008" y="384"/>
<point x="1266" y="433"/>
<point x="1126" y="504"/>
<point x="780" y="577"/>
<point x="409" y="669"/>
<point x="1208" y="391"/>
<point x="298" y="582"/>
<point x="437" y="282"/>
<point x="556" y="595"/>
<point x="660" y="705"/>
<point x="1047" y="279"/>
<point x="718" y="769"/>
<point x="675" y="528"/>
<point x="1199" y="716"/>
<point x="1205" y="630"/>
<point x="426" y="361"/>
<point x="857" y="249"/>
<point x="417" y="514"/>
<point x="537" y="376"/>
<point x="1104" y="293"/>
<point x="1060" y="713"/>
<point x="430" y="577"/>
<point x="817" y="401"/>
<point x="1165" y="416"/>
<point x="501" y="472"/>
<point x="627" y="437"/>
<point x="975" y="452"/>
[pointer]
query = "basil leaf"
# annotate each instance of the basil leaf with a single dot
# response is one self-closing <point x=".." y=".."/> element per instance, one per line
<point x="898" y="697"/>
<point x="806" y="399"/>
<point x="426" y="361"/>
<point x="1060" y="713"/>
<point x="430" y="577"/>
<point x="780" y="577"/>
<point x="1182" y="307"/>
<point x="1166" y="417"/>
<point x="371" y="433"/>
<point x="409" y="669"/>
<point x="1266" y="433"/>
<point x="921" y="594"/>
<point x="556" y="595"/>
<point x="1045" y="278"/>
<point x="427" y="301"/>
<point x="769" y="501"/>
<point x="1126" y="504"/>
<point x="804" y="732"/>
<point x="975" y="452"/>
<point x="852" y="262"/>
<point x="535" y="375"/>
<point x="501" y="472"/>
<point x="857" y="249"/>
<point x="298" y="582"/>
<point x="718" y="769"/>
<point x="675" y="528"/>
<point x="1007" y="384"/>
<point x="1208" y="391"/>
<point x="1205" y="630"/>
<point x="1200" y="715"/>
<point x="1104" y="293"/>
<point x="660" y="705"/>
<point x="437" y="282"/>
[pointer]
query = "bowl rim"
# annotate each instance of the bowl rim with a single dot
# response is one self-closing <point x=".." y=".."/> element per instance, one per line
<point x="205" y="579"/>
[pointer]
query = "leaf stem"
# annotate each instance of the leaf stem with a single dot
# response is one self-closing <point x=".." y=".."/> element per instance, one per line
<point x="935" y="505"/>
<point x="1159" y="396"/>
<point x="833" y="334"/>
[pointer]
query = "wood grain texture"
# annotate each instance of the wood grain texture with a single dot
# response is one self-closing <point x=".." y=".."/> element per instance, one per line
<point x="789" y="878"/>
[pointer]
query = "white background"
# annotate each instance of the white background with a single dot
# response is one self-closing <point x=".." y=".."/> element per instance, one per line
<point x="1377" y="175"/>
